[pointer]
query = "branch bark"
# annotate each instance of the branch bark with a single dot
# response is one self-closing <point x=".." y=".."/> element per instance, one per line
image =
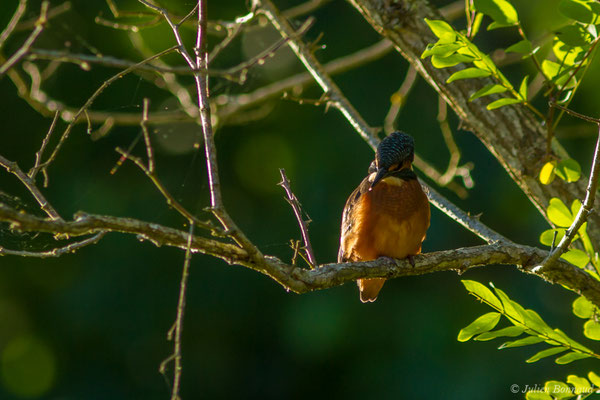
<point x="300" y="280"/>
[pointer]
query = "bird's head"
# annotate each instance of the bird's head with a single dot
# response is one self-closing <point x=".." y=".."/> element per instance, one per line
<point x="395" y="152"/>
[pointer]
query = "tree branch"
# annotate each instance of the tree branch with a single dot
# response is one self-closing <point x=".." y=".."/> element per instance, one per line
<point x="302" y="280"/>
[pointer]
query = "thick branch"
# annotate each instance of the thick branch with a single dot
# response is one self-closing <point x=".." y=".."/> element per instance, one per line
<point x="301" y="280"/>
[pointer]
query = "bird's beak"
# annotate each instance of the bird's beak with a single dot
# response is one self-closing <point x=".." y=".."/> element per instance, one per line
<point x="381" y="172"/>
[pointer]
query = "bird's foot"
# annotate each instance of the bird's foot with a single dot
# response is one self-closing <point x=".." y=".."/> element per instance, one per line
<point x="411" y="260"/>
<point x="391" y="260"/>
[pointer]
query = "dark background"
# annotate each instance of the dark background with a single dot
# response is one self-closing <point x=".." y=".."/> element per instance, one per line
<point x="93" y="324"/>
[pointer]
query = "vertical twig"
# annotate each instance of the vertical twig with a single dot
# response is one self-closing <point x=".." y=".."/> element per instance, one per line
<point x="178" y="327"/>
<point x="293" y="201"/>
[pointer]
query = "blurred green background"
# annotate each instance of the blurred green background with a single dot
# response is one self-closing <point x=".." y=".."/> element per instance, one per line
<point x="93" y="324"/>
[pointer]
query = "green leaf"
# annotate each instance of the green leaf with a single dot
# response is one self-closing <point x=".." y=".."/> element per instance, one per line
<point x="570" y="357"/>
<point x="537" y="395"/>
<point x="581" y="384"/>
<point x="503" y="102"/>
<point x="523" y="47"/>
<point x="468" y="73"/>
<point x="535" y="322"/>
<point x="577" y="10"/>
<point x="510" y="331"/>
<point x="591" y="329"/>
<point x="521" y="342"/>
<point x="551" y="69"/>
<point x="440" y="28"/>
<point x="558" y="213"/>
<point x="487" y="90"/>
<point x="594" y="378"/>
<point x="568" y="170"/>
<point x="583" y="308"/>
<point x="545" y="353"/>
<point x="558" y="389"/>
<point x="547" y="236"/>
<point x="576" y="257"/>
<point x="501" y="11"/>
<point x="548" y="173"/>
<point x="482" y="324"/>
<point x="482" y="292"/>
<point x="442" y="50"/>
<point x="449" y="61"/>
<point x="574" y="35"/>
<point x="523" y="88"/>
<point x="568" y="55"/>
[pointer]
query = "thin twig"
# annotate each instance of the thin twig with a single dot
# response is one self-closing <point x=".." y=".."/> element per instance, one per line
<point x="398" y="99"/>
<point x="92" y="98"/>
<point x="38" y="156"/>
<point x="57" y="252"/>
<point x="29" y="183"/>
<point x="19" y="54"/>
<point x="144" y="126"/>
<point x="293" y="201"/>
<point x="180" y="313"/>
<point x="584" y="211"/>
<point x="17" y="15"/>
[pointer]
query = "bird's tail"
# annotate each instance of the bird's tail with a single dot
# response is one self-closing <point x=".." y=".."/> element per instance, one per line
<point x="369" y="289"/>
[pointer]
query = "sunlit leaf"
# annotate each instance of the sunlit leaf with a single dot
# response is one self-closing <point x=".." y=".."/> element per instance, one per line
<point x="576" y="257"/>
<point x="591" y="329"/>
<point x="482" y="324"/>
<point x="577" y="10"/>
<point x="547" y="172"/>
<point x="521" y="342"/>
<point x="551" y="69"/>
<point x="583" y="308"/>
<point x="523" y="88"/>
<point x="482" y="292"/>
<point x="569" y="55"/>
<point x="487" y="90"/>
<point x="545" y="353"/>
<point x="537" y="395"/>
<point x="468" y="73"/>
<point x="440" y="28"/>
<point x="558" y="213"/>
<point x="570" y="357"/>
<point x="510" y="331"/>
<point x="547" y="237"/>
<point x="558" y="389"/>
<point x="449" y="61"/>
<point x="568" y="170"/>
<point x="501" y="11"/>
<point x="442" y="50"/>
<point x="535" y="322"/>
<point x="581" y="384"/>
<point x="503" y="102"/>
<point x="523" y="47"/>
<point x="594" y="378"/>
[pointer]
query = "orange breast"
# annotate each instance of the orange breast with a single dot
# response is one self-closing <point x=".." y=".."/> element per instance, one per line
<point x="391" y="220"/>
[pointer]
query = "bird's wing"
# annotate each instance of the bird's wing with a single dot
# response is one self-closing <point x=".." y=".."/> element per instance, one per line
<point x="347" y="220"/>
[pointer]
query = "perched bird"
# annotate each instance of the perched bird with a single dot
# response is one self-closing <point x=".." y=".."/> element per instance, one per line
<point x="388" y="214"/>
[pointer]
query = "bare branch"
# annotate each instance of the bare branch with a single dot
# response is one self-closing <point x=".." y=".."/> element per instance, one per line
<point x="293" y="201"/>
<point x="57" y="252"/>
<point x="29" y="183"/>
<point x="17" y="15"/>
<point x="325" y="276"/>
<point x="19" y="54"/>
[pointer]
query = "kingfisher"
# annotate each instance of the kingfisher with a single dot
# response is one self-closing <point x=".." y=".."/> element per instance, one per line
<point x="388" y="214"/>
